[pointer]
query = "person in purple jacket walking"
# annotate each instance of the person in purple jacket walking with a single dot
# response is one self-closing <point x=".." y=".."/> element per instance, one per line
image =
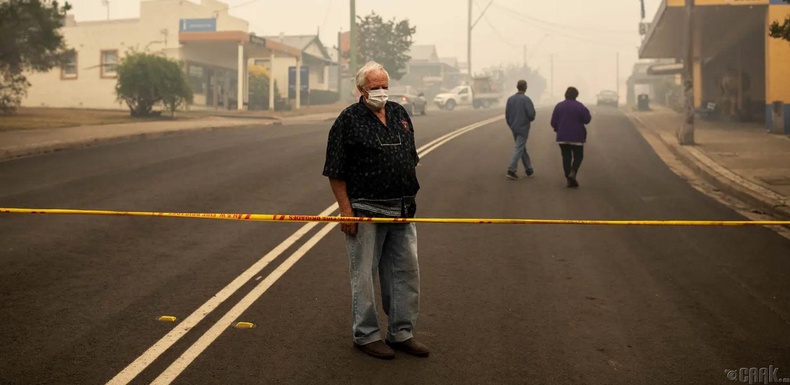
<point x="568" y="120"/>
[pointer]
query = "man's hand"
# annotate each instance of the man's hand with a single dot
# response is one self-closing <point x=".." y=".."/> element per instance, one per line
<point x="339" y="189"/>
<point x="349" y="228"/>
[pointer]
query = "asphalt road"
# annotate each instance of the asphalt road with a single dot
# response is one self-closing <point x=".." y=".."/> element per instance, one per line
<point x="80" y="296"/>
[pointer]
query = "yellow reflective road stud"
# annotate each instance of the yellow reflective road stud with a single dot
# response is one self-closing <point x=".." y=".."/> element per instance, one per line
<point x="244" y="325"/>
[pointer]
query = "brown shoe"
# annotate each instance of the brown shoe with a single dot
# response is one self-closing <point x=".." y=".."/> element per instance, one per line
<point x="377" y="349"/>
<point x="411" y="346"/>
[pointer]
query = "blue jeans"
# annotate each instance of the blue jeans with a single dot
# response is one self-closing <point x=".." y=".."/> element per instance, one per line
<point x="391" y="251"/>
<point x="520" y="152"/>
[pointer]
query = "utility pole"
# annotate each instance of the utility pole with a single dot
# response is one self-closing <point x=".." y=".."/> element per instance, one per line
<point x="469" y="28"/>
<point x="685" y="133"/>
<point x="552" y="74"/>
<point x="469" y="41"/>
<point x="618" y="74"/>
<point x="340" y="65"/>
<point x="525" y="56"/>
<point x="352" y="43"/>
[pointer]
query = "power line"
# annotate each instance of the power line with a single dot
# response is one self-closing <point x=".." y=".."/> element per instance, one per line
<point x="326" y="16"/>
<point x="501" y="37"/>
<point x="469" y="26"/>
<point x="563" y="26"/>
<point x="537" y="45"/>
<point x="603" y="42"/>
<point x="554" y="30"/>
<point x="243" y="4"/>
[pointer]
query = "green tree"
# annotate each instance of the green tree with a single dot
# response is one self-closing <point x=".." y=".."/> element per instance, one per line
<point x="386" y="42"/>
<point x="146" y="80"/>
<point x="781" y="31"/>
<point x="30" y="40"/>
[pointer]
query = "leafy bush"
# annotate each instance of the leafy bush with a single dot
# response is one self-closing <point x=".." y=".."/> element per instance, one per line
<point x="146" y="80"/>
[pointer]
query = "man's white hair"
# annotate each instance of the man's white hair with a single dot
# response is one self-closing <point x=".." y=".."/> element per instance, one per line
<point x="366" y="70"/>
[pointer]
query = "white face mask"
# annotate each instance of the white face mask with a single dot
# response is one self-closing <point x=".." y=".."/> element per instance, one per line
<point x="378" y="98"/>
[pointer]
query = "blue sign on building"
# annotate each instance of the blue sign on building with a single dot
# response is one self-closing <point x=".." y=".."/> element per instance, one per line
<point x="304" y="83"/>
<point x="197" y="25"/>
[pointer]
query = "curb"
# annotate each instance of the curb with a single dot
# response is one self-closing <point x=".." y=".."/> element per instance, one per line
<point x="50" y="147"/>
<point x="722" y="178"/>
<point x="251" y="117"/>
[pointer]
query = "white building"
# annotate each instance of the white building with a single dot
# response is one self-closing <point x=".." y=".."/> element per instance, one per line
<point x="315" y="58"/>
<point x="214" y="46"/>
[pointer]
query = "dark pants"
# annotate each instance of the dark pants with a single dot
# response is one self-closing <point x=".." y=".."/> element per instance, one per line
<point x="572" y="157"/>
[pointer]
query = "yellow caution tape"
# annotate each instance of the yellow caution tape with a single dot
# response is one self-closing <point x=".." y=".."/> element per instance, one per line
<point x="317" y="218"/>
<point x="167" y="318"/>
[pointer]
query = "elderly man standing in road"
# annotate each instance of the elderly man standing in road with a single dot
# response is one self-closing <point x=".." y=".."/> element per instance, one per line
<point x="519" y="114"/>
<point x="371" y="164"/>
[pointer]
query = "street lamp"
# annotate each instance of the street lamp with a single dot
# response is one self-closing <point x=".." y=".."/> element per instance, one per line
<point x="537" y="45"/>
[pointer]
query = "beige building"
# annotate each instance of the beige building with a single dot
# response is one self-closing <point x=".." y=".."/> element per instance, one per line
<point x="214" y="46"/>
<point x="315" y="58"/>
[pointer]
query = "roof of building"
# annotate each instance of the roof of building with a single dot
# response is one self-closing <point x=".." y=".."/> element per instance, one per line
<point x="301" y="42"/>
<point x="297" y="41"/>
<point x="425" y="53"/>
<point x="450" y="61"/>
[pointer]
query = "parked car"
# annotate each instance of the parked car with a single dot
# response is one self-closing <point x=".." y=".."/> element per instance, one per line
<point x="413" y="101"/>
<point x="608" y="98"/>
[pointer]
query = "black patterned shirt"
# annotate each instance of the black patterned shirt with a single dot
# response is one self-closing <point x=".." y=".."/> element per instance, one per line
<point x="377" y="162"/>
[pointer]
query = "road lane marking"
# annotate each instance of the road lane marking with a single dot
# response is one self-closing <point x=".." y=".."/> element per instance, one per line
<point x="142" y="362"/>
<point x="148" y="357"/>
<point x="426" y="149"/>
<point x="212" y="334"/>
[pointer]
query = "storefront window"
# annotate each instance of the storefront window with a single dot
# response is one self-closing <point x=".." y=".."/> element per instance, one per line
<point x="197" y="79"/>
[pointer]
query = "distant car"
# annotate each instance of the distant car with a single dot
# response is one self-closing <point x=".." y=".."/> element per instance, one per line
<point x="414" y="102"/>
<point x="608" y="98"/>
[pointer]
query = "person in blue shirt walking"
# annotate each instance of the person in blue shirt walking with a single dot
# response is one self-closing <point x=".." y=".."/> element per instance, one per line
<point x="519" y="114"/>
<point x="568" y="120"/>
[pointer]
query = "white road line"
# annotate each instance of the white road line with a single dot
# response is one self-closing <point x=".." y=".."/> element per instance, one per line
<point x="424" y="150"/>
<point x="142" y="362"/>
<point x="212" y="334"/>
<point x="175" y="369"/>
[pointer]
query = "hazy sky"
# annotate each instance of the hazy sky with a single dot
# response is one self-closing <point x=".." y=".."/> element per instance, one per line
<point x="584" y="36"/>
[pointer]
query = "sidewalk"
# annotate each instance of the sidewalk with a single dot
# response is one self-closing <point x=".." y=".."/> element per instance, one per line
<point x="740" y="159"/>
<point x="21" y="143"/>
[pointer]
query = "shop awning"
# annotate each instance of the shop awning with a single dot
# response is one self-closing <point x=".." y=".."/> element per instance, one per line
<point x="722" y="22"/>
<point x="254" y="46"/>
<point x="664" y="38"/>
